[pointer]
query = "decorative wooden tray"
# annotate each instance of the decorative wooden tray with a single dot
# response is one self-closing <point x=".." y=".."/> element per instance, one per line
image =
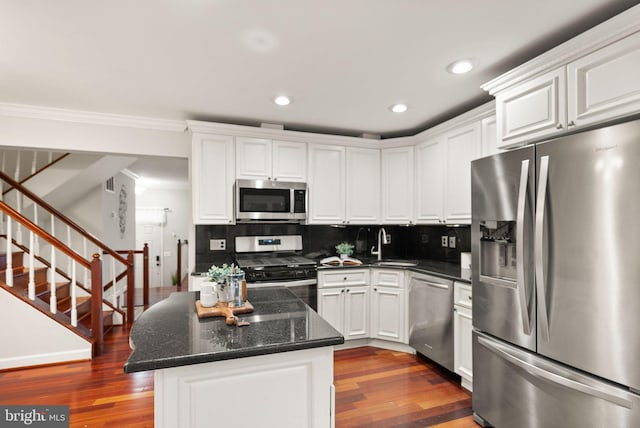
<point x="222" y="311"/>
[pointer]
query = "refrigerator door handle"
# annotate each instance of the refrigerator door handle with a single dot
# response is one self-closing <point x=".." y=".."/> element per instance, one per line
<point x="505" y="353"/>
<point x="520" y="278"/>
<point x="539" y="247"/>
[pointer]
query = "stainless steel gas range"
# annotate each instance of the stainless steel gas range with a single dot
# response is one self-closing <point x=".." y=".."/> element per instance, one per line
<point x="270" y="261"/>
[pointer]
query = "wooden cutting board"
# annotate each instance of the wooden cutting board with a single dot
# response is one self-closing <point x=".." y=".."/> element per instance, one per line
<point x="222" y="311"/>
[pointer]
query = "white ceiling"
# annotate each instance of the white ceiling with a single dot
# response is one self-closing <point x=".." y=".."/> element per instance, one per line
<point x="344" y="62"/>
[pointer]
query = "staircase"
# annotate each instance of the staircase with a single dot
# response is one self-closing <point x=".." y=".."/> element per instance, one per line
<point x="38" y="240"/>
<point x="43" y="293"/>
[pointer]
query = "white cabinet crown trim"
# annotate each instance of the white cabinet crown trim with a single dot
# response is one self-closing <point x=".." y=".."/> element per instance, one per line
<point x="612" y="30"/>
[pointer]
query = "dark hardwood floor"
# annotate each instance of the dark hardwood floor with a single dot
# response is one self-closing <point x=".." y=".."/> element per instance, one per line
<point x="374" y="388"/>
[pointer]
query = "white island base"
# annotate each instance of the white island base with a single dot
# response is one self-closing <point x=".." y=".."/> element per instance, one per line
<point x="287" y="389"/>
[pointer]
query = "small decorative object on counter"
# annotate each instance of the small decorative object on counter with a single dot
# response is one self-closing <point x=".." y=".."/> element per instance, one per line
<point x="344" y="249"/>
<point x="235" y="279"/>
<point x="208" y="294"/>
<point x="220" y="275"/>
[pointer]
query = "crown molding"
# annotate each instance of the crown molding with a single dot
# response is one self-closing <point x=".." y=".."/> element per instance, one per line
<point x="610" y="31"/>
<point x="76" y="116"/>
<point x="474" y="115"/>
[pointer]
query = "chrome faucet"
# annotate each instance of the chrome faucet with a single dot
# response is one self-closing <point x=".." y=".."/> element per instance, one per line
<point x="382" y="239"/>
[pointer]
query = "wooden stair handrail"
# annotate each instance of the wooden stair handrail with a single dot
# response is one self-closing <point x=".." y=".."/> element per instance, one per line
<point x="66" y="275"/>
<point x="24" y="180"/>
<point x="61" y="246"/>
<point x="35" y="198"/>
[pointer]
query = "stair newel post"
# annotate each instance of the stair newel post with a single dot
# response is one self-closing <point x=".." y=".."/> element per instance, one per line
<point x="97" y="325"/>
<point x="74" y="309"/>
<point x="32" y="267"/>
<point x="9" y="270"/>
<point x="53" y="301"/>
<point x="145" y="275"/>
<point x="130" y="288"/>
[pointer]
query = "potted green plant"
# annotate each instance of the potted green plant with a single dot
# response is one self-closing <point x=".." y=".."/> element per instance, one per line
<point x="344" y="249"/>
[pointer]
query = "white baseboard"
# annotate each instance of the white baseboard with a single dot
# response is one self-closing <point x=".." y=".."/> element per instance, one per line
<point x="49" y="358"/>
<point x="376" y="343"/>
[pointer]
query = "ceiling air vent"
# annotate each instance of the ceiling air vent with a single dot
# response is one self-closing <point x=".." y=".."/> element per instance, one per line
<point x="109" y="186"/>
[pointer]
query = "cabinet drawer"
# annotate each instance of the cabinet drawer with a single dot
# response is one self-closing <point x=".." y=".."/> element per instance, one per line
<point x="462" y="294"/>
<point x="343" y="277"/>
<point x="387" y="277"/>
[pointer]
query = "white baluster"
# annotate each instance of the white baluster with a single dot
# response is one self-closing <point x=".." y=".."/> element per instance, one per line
<point x="32" y="270"/>
<point x="69" y="245"/>
<point x="53" y="301"/>
<point x="9" y="270"/>
<point x="16" y="177"/>
<point x="34" y="162"/>
<point x="87" y="257"/>
<point x="113" y="278"/>
<point x="74" y="310"/>
<point x="35" y="220"/>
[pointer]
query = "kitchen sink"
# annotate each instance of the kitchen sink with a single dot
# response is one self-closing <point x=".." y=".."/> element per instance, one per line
<point x="398" y="263"/>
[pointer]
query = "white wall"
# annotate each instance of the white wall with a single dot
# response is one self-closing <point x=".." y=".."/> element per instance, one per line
<point x="34" y="338"/>
<point x="177" y="227"/>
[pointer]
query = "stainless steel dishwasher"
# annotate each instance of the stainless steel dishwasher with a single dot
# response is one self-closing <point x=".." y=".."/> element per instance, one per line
<point x="431" y="318"/>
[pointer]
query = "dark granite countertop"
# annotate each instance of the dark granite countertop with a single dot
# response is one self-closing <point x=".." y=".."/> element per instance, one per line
<point x="442" y="269"/>
<point x="170" y="334"/>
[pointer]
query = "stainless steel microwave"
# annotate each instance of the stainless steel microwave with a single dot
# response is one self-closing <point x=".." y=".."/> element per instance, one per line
<point x="270" y="201"/>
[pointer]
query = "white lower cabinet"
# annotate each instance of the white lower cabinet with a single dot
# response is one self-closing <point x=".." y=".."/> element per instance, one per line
<point x="462" y="333"/>
<point x="343" y="300"/>
<point x="364" y="303"/>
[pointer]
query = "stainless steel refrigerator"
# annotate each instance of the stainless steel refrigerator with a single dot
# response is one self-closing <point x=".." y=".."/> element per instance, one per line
<point x="556" y="282"/>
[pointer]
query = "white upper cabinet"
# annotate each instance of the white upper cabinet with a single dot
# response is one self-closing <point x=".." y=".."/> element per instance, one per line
<point x="430" y="182"/>
<point x="212" y="178"/>
<point x="489" y="137"/>
<point x="326" y="184"/>
<point x="264" y="159"/>
<point x="397" y="185"/>
<point x="289" y="161"/>
<point x="605" y="84"/>
<point x="461" y="147"/>
<point x="532" y="110"/>
<point x="363" y="186"/>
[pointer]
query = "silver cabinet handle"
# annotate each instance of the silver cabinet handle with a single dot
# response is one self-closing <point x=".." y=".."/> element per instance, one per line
<point x="538" y="246"/>
<point x="617" y="398"/>
<point x="520" y="281"/>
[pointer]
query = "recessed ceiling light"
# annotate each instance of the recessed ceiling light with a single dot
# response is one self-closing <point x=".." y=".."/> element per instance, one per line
<point x="282" y="100"/>
<point x="398" y="108"/>
<point x="460" y="67"/>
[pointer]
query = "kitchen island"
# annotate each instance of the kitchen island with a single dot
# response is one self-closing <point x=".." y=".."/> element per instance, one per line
<point x="277" y="371"/>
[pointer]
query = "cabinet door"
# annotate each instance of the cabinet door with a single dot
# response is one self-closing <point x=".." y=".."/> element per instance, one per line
<point x="461" y="147"/>
<point x="342" y="277"/>
<point x="605" y="85"/>
<point x="387" y="314"/>
<point x="331" y="307"/>
<point x="397" y="185"/>
<point x="253" y="158"/>
<point x="289" y="161"/>
<point x="363" y="186"/>
<point x="463" y="352"/>
<point x="356" y="313"/>
<point x="326" y="184"/>
<point x="532" y="110"/>
<point x="489" y="137"/>
<point x="212" y="178"/>
<point x="430" y="182"/>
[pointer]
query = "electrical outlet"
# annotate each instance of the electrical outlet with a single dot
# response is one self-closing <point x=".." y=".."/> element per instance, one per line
<point x="388" y="240"/>
<point x="452" y="242"/>
<point x="217" y="244"/>
<point x="445" y="241"/>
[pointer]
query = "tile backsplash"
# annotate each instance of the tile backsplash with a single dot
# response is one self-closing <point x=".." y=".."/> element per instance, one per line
<point x="407" y="242"/>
